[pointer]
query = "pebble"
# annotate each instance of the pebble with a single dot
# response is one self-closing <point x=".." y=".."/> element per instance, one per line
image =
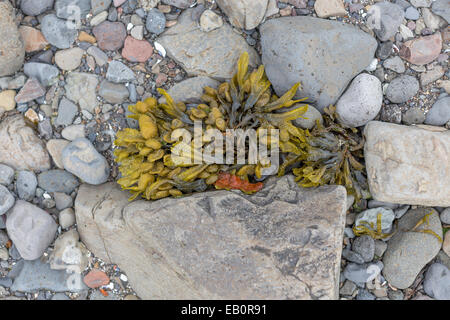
<point x="364" y="295"/>
<point x="99" y="18"/>
<point x="69" y="59"/>
<point x="446" y="244"/>
<point x="26" y="185"/>
<point x="66" y="218"/>
<point x="72" y="9"/>
<point x="395" y="64"/>
<point x="110" y="35"/>
<point x="385" y="18"/>
<point x="439" y="113"/>
<point x="6" y="174"/>
<point x="35" y="8"/>
<point x="445" y="216"/>
<point x="156" y="21"/>
<point x="137" y="32"/>
<point x="100" y="57"/>
<point x="58" y="31"/>
<point x="402" y="88"/>
<point x="7" y="100"/>
<point x="442" y="8"/>
<point x="54" y="148"/>
<point x="412" y="13"/>
<point x="86" y="37"/>
<point x="73" y="132"/>
<point x="370" y="216"/>
<point x="361" y="102"/>
<point x="62" y="200"/>
<point x="209" y="21"/>
<point x="330" y="8"/>
<point x="413" y="116"/>
<point x="361" y="273"/>
<point x="137" y="50"/>
<point x="98" y="6"/>
<point x="119" y="72"/>
<point x="31" y="229"/>
<point x="352" y="256"/>
<point x="30" y="91"/>
<point x="45" y="73"/>
<point x="309" y="118"/>
<point x="348" y="288"/>
<point x="68" y="253"/>
<point x="67" y="111"/>
<point x="6" y="200"/>
<point x="33" y="39"/>
<point x="81" y="88"/>
<point x="437" y="282"/>
<point x="365" y="247"/>
<point x="96" y="278"/>
<point x="422" y="50"/>
<point x="4" y="255"/>
<point x="380" y="248"/>
<point x="431" y="20"/>
<point x="430" y="76"/>
<point x="81" y="159"/>
<point x="113" y="92"/>
<point x="57" y="180"/>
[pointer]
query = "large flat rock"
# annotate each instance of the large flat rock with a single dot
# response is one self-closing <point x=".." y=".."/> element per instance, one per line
<point x="408" y="164"/>
<point x="281" y="243"/>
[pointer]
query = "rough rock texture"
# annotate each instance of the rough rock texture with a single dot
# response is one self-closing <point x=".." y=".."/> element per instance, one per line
<point x="408" y="164"/>
<point x="408" y="252"/>
<point x="422" y="50"/>
<point x="20" y="147"/>
<point x="283" y="242"/>
<point x="244" y="14"/>
<point x="12" y="49"/>
<point x="191" y="89"/>
<point x="80" y="88"/>
<point x="213" y="54"/>
<point x="323" y="55"/>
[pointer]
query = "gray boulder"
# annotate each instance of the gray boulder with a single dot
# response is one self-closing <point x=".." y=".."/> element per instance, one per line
<point x="402" y="88"/>
<point x="26" y="185"/>
<point x="59" y="32"/>
<point x="45" y="73"/>
<point x="57" y="181"/>
<point x="439" y="113"/>
<point x="437" y="282"/>
<point x="323" y="55"/>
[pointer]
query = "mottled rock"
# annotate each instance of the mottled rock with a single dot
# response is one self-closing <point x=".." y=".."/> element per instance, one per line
<point x="110" y="35"/>
<point x="67" y="111"/>
<point x="35" y="8"/>
<point x="209" y="21"/>
<point x="156" y="21"/>
<point x="244" y="14"/>
<point x="333" y="53"/>
<point x="408" y="252"/>
<point x="57" y="181"/>
<point x="69" y="59"/>
<point x="365" y="246"/>
<point x="96" y="278"/>
<point x="119" y="73"/>
<point x="69" y="254"/>
<point x="7" y="100"/>
<point x="437" y="282"/>
<point x="81" y="89"/>
<point x="361" y="273"/>
<point x="402" y="88"/>
<point x="407" y="164"/>
<point x="26" y="184"/>
<point x="191" y="89"/>
<point x="137" y="50"/>
<point x="423" y="50"/>
<point x="442" y="8"/>
<point x="33" y="39"/>
<point x="99" y="6"/>
<point x="72" y="9"/>
<point x="414" y="116"/>
<point x="20" y="147"/>
<point x="213" y="54"/>
<point x="66" y="218"/>
<point x="55" y="147"/>
<point x="439" y="113"/>
<point x="385" y="18"/>
<point x="31" y="229"/>
<point x="330" y="8"/>
<point x="113" y="92"/>
<point x="58" y="32"/>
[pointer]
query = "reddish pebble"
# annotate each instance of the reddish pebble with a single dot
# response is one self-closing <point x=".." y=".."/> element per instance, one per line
<point x="110" y="35"/>
<point x="31" y="90"/>
<point x="422" y="50"/>
<point x="33" y="38"/>
<point x="118" y="3"/>
<point x="137" y="50"/>
<point x="161" y="79"/>
<point x="96" y="278"/>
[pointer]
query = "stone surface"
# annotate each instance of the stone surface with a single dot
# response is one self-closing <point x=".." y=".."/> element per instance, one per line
<point x="81" y="89"/>
<point x="73" y="132"/>
<point x="182" y="4"/>
<point x="66" y="218"/>
<point x="6" y="174"/>
<point x="308" y="120"/>
<point x="191" y="89"/>
<point x="333" y="53"/>
<point x="55" y="147"/>
<point x="439" y="113"/>
<point x="69" y="59"/>
<point x="395" y="64"/>
<point x="284" y="241"/>
<point x="361" y="273"/>
<point x="62" y="200"/>
<point x="33" y="39"/>
<point x="437" y="282"/>
<point x="7" y="101"/>
<point x="98" y="6"/>
<point x="11" y="45"/>
<point x="244" y="14"/>
<point x="110" y="35"/>
<point x="385" y="18"/>
<point x="26" y="184"/>
<point x="31" y="229"/>
<point x="81" y="159"/>
<point x="57" y="181"/>
<point x="445" y="216"/>
<point x="35" y="8"/>
<point x="371" y="215"/>
<point x="361" y="102"/>
<point x="30" y="91"/>
<point x="402" y="88"/>
<point x="119" y="73"/>
<point x="6" y="200"/>
<point x="96" y="278"/>
<point x="113" y="92"/>
<point x="20" y="147"/>
<point x="156" y="21"/>
<point x="365" y="246"/>
<point x="209" y="21"/>
<point x="442" y="8"/>
<point x="407" y="164"/>
<point x="58" y="31"/>
<point x="408" y="252"/>
<point x="45" y="73"/>
<point x="330" y="8"/>
<point x="137" y="50"/>
<point x="423" y="50"/>
<point x="69" y="253"/>
<point x="67" y="111"/>
<point x="213" y="54"/>
<point x="430" y="76"/>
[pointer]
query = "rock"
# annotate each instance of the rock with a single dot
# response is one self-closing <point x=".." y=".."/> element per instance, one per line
<point x="395" y="64"/>
<point x="385" y="50"/>
<point x="349" y="255"/>
<point x="119" y="73"/>
<point x="69" y="59"/>
<point x="26" y="185"/>
<point x="100" y="57"/>
<point x="361" y="273"/>
<point x="385" y="18"/>
<point x="33" y="39"/>
<point x="414" y="116"/>
<point x="57" y="181"/>
<point x="380" y="248"/>
<point x="55" y="147"/>
<point x="430" y="76"/>
<point x="6" y="174"/>
<point x="110" y="35"/>
<point x="11" y="44"/>
<point x="81" y="88"/>
<point x="244" y="14"/>
<point x="96" y="278"/>
<point x="309" y="118"/>
<point x="137" y="50"/>
<point x="421" y="3"/>
<point x="182" y="4"/>
<point x="72" y="9"/>
<point x="423" y="50"/>
<point x="285" y="214"/>
<point x="7" y="101"/>
<point x="62" y="200"/>
<point x="99" y="18"/>
<point x="437" y="282"/>
<point x="73" y="132"/>
<point x="37" y="275"/>
<point x="81" y="159"/>
<point x="213" y="54"/>
<point x="45" y="73"/>
<point x="408" y="252"/>
<point x="445" y="216"/>
<point x="361" y="102"/>
<point x="365" y="246"/>
<point x="20" y="148"/>
<point x="30" y="91"/>
<point x="190" y="90"/>
<point x="60" y="296"/>
<point x="113" y="92"/>
<point x="69" y="254"/>
<point x="31" y="229"/>
<point x="330" y="8"/>
<point x="99" y="6"/>
<point x="446" y="244"/>
<point x="66" y="112"/>
<point x="334" y="53"/>
<point x="412" y="13"/>
<point x="439" y="113"/>
<point x="137" y="32"/>
<point x="58" y="32"/>
<point x="209" y="21"/>
<point x="371" y="215"/>
<point x="348" y="288"/>
<point x="432" y="21"/>
<point x="6" y="200"/>
<point x="402" y="88"/>
<point x="67" y="218"/>
<point x="35" y="8"/>
<point x="156" y="21"/>
<point x="442" y="8"/>
<point x="365" y="295"/>
<point x="407" y="164"/>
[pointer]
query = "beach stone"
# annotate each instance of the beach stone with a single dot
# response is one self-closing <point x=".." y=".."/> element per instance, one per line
<point x="445" y="216"/>
<point x="137" y="50"/>
<point x="33" y="39"/>
<point x="437" y="282"/>
<point x="35" y="8"/>
<point x="182" y="4"/>
<point x="334" y="53"/>
<point x="395" y="64"/>
<point x="361" y="273"/>
<point x="69" y="253"/>
<point x="67" y="111"/>
<point x="285" y="215"/>
<point x="20" y="148"/>
<point x="412" y="13"/>
<point x="26" y="185"/>
<point x="7" y="100"/>
<point x="365" y="246"/>
<point x="57" y="181"/>
<point x="11" y="44"/>
<point x="110" y="35"/>
<point x="407" y="164"/>
<point x="385" y="18"/>
<point x="371" y="215"/>
<point x="45" y="73"/>
<point x="81" y="88"/>
<point x="330" y="8"/>
<point x="422" y="50"/>
<point x="209" y="21"/>
<point x="309" y="118"/>
<point x="361" y="102"/>
<point x="442" y="8"/>
<point x="81" y="159"/>
<point x="58" y="32"/>
<point x="72" y="9"/>
<point x="66" y="218"/>
<point x="100" y="5"/>
<point x="213" y="54"/>
<point x="402" y="88"/>
<point x="100" y="57"/>
<point x="6" y="200"/>
<point x="446" y="244"/>
<point x="96" y="278"/>
<point x="408" y="252"/>
<point x="190" y="90"/>
<point x="62" y="200"/>
<point x="31" y="90"/>
<point x="244" y="14"/>
<point x="99" y="18"/>
<point x="73" y="132"/>
<point x="54" y="148"/>
<point x="113" y="92"/>
<point x="119" y="73"/>
<point x="430" y="76"/>
<point x="6" y="174"/>
<point x="156" y="21"/>
<point x="31" y="229"/>
<point x="414" y="116"/>
<point x="439" y="113"/>
<point x="69" y="59"/>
